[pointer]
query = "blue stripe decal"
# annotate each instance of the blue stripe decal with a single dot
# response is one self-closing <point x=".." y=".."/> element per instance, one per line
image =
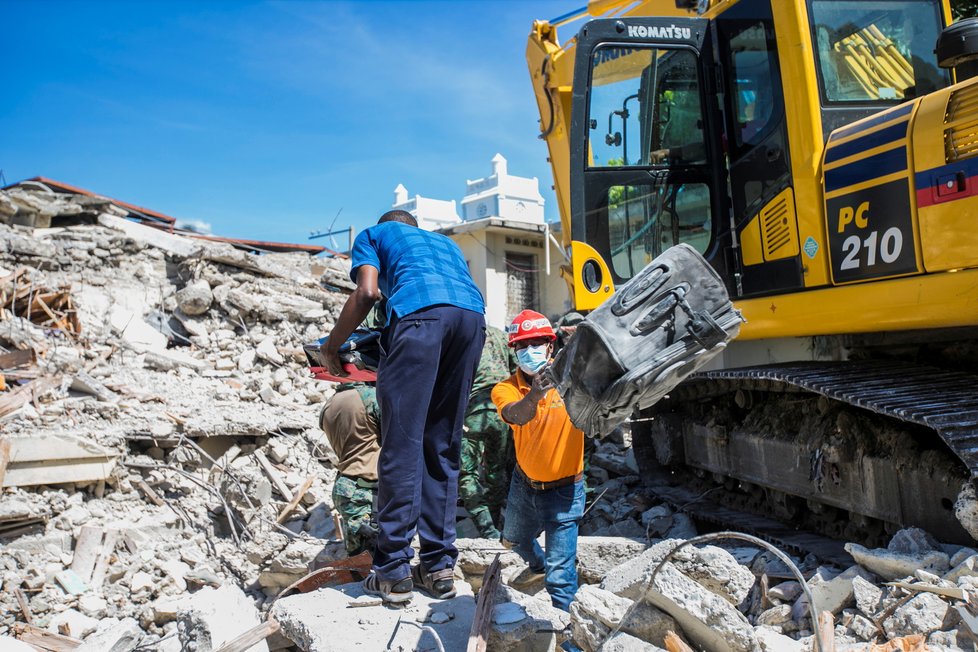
<point x="866" y="169"/>
<point x="872" y="122"/>
<point x="864" y="143"/>
<point x="927" y="178"/>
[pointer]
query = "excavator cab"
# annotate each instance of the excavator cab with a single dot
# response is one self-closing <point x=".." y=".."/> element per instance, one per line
<point x="680" y="133"/>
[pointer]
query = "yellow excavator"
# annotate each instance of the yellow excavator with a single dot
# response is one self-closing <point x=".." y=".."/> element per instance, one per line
<point x="823" y="157"/>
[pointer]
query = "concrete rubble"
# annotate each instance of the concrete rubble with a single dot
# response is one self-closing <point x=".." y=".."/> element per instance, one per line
<point x="151" y="452"/>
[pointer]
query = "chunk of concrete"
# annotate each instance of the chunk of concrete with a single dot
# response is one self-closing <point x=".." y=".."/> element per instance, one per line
<point x="924" y="614"/>
<point x="785" y="591"/>
<point x="113" y="635"/>
<point x="321" y="622"/>
<point x="769" y="640"/>
<point x="775" y="616"/>
<point x="73" y="623"/>
<point x="195" y="298"/>
<point x="912" y="541"/>
<point x="867" y="596"/>
<point x="596" y="612"/>
<point x="543" y="628"/>
<point x="212" y="617"/>
<point x="622" y="642"/>
<point x="966" y="568"/>
<point x="896" y="565"/>
<point x="598" y="555"/>
<point x="708" y="619"/>
<point x="712" y="567"/>
<point x="835" y="594"/>
<point x="11" y="644"/>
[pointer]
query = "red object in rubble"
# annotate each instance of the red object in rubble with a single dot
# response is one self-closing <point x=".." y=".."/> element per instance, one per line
<point x="356" y="375"/>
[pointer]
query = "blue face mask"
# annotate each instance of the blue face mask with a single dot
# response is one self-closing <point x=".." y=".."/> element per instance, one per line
<point x="532" y="358"/>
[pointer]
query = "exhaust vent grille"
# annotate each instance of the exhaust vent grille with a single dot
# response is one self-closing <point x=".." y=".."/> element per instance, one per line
<point x="778" y="231"/>
<point x="961" y="124"/>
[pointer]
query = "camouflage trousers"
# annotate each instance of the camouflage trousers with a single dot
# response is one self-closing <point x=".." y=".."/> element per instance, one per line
<point x="485" y="463"/>
<point x="354" y="500"/>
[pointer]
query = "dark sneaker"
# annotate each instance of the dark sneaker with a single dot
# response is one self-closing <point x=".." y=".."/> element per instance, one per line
<point x="440" y="584"/>
<point x="399" y="591"/>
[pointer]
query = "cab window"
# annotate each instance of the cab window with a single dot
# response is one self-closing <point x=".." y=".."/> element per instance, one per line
<point x="645" y="108"/>
<point x="876" y="52"/>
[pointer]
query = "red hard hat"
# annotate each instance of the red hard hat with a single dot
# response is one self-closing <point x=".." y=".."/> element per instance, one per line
<point x="529" y="325"/>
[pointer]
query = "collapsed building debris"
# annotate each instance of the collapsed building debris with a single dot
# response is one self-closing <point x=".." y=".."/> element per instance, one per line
<point x="164" y="484"/>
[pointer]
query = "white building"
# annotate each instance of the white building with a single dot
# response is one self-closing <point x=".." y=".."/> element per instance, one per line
<point x="512" y="253"/>
<point x="432" y="214"/>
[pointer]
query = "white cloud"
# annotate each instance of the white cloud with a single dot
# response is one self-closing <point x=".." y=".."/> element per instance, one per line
<point x="197" y="226"/>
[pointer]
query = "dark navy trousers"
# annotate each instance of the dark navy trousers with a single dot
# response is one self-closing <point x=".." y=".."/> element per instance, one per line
<point x="424" y="379"/>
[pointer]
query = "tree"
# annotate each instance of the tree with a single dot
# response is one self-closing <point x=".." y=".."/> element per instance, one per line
<point x="964" y="8"/>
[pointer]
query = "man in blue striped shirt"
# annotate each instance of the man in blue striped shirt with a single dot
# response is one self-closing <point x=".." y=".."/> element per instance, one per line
<point x="430" y="351"/>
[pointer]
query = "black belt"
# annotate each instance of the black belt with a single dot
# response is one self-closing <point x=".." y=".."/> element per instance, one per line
<point x="553" y="484"/>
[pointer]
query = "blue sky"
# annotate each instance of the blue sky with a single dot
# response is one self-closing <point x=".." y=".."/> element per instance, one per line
<point x="266" y="119"/>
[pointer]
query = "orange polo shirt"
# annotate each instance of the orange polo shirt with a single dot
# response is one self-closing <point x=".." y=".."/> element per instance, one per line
<point x="549" y="447"/>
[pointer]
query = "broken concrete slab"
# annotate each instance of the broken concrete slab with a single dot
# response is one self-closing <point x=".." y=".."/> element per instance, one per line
<point x="714" y="568"/>
<point x="596" y="612"/>
<point x="892" y="565"/>
<point x="72" y="622"/>
<point x="769" y="640"/>
<point x="542" y="628"/>
<point x="11" y="644"/>
<point x="598" y="555"/>
<point x="113" y="635"/>
<point x="833" y="595"/>
<point x="147" y="235"/>
<point x="321" y="621"/>
<point x="867" y="596"/>
<point x="212" y="617"/>
<point x="967" y="567"/>
<point x="708" y="619"/>
<point x="56" y="459"/>
<point x="622" y="642"/>
<point x="922" y="615"/>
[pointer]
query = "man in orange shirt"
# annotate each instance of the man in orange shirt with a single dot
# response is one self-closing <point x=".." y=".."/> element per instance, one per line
<point x="546" y="493"/>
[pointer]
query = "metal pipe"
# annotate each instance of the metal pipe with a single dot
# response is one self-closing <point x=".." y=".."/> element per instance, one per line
<point x="742" y="537"/>
<point x="568" y="17"/>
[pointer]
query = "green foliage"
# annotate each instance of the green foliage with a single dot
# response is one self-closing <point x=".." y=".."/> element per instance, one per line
<point x="964" y="8"/>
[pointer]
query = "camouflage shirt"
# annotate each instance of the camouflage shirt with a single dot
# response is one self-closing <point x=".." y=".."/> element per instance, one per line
<point x="368" y="394"/>
<point x="498" y="361"/>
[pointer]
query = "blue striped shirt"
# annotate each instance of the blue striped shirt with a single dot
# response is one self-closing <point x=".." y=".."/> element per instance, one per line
<point x="417" y="268"/>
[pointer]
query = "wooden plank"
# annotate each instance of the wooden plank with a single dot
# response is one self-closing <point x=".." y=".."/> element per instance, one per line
<point x="86" y="551"/>
<point x="83" y="382"/>
<point x="104" y="557"/>
<point x="826" y="627"/>
<point x="25" y="608"/>
<point x="675" y="644"/>
<point x="274" y="476"/>
<point x="479" y="633"/>
<point x="149" y="492"/>
<point x="4" y="457"/>
<point x="295" y="501"/>
<point x="953" y="592"/>
<point x="17" y="358"/>
<point x="256" y="634"/>
<point x="43" y="639"/>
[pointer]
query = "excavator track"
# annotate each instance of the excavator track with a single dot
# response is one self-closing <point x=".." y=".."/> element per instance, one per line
<point x="852" y="449"/>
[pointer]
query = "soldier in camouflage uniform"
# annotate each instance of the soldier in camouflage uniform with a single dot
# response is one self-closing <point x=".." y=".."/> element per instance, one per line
<point x="487" y="441"/>
<point x="351" y="421"/>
